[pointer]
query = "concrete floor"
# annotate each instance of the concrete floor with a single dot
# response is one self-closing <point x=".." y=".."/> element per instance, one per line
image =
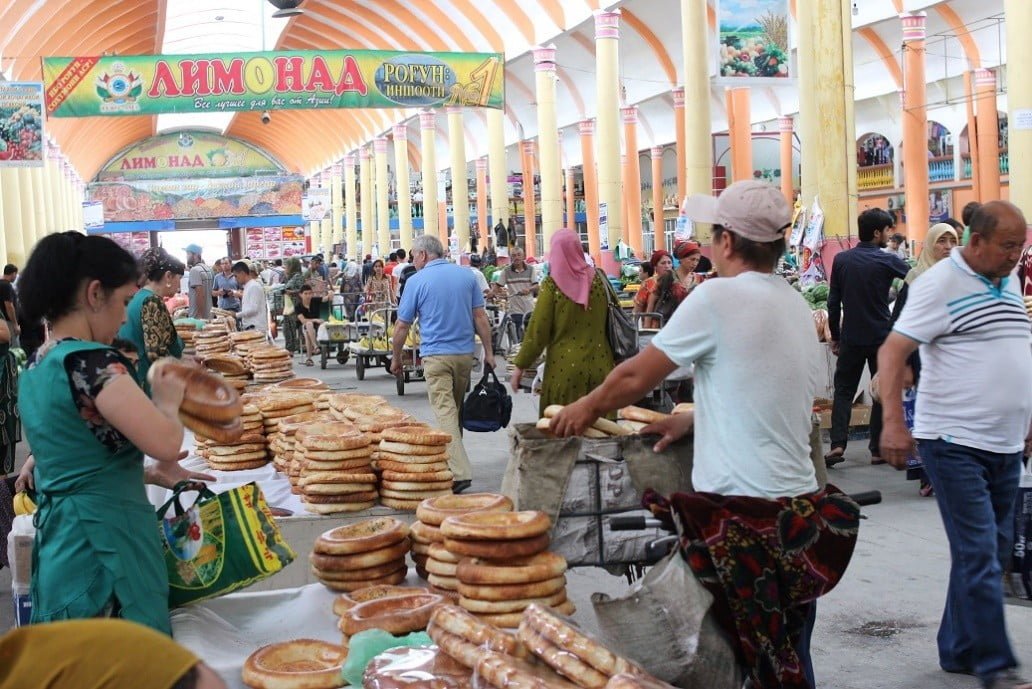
<point x="875" y="630"/>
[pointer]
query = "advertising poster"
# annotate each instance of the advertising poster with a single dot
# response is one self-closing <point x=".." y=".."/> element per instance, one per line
<point x="273" y="80"/>
<point x="92" y="214"/>
<point x="181" y="199"/>
<point x="133" y="242"/>
<point x="21" y="124"/>
<point x="752" y="41"/>
<point x="940" y="205"/>
<point x="316" y="204"/>
<point x="188" y="154"/>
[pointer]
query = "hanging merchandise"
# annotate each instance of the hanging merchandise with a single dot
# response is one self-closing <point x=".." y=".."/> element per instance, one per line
<point x="684" y="229"/>
<point x="813" y="240"/>
<point x="623" y="251"/>
<point x="799" y="215"/>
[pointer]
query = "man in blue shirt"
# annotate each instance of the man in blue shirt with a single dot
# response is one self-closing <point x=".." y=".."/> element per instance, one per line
<point x="860" y="282"/>
<point x="450" y="308"/>
<point x="226" y="287"/>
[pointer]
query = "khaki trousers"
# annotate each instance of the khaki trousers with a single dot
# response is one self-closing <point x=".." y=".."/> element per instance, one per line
<point x="447" y="377"/>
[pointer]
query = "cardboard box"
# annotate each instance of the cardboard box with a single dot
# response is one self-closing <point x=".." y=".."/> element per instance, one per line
<point x="860" y="416"/>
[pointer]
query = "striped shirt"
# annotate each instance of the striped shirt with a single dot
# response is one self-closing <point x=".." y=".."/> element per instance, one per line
<point x="976" y="357"/>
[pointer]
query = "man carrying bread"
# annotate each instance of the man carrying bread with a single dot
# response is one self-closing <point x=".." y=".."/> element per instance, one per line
<point x="750" y="337"/>
<point x="450" y="308"/>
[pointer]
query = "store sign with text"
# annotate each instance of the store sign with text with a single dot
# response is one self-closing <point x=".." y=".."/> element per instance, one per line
<point x="188" y="153"/>
<point x="275" y="80"/>
<point x="21" y="124"/>
<point x="753" y="41"/>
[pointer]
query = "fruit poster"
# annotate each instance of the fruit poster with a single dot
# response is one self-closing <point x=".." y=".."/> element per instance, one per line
<point x="21" y="124"/>
<point x="188" y="153"/>
<point x="752" y="40"/>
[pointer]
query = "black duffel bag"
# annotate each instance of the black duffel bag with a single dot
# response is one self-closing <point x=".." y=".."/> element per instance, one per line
<point x="488" y="406"/>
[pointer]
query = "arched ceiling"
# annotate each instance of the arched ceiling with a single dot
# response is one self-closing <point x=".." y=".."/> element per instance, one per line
<point x="963" y="34"/>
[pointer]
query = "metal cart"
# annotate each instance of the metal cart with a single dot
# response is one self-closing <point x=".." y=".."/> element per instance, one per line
<point x="660" y="398"/>
<point x="370" y="326"/>
<point x="411" y="362"/>
<point x="333" y="335"/>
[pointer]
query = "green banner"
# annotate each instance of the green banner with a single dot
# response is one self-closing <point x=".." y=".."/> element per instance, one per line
<point x="280" y="80"/>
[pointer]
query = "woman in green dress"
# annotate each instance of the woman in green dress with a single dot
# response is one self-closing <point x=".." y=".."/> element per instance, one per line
<point x="569" y="325"/>
<point x="98" y="552"/>
<point x="148" y="323"/>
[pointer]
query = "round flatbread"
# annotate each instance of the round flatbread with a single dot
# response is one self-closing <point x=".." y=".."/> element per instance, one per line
<point x="497" y="526"/>
<point x="347" y="586"/>
<point x="446" y="583"/>
<point x="363" y="536"/>
<point x="236" y="457"/>
<point x="399" y="504"/>
<point x="364" y="574"/>
<point x="217" y="466"/>
<point x="495" y="607"/>
<point x="511" y="620"/>
<point x="417" y="486"/>
<point x="541" y="567"/>
<point x="388" y="464"/>
<point x="424" y="533"/>
<point x="305" y="663"/>
<point x="438" y="552"/>
<point x="502" y="592"/>
<point x="407" y="449"/>
<point x="417" y="477"/>
<point x="416" y="495"/>
<point x="337" y="488"/>
<point x="498" y="550"/>
<point x="323" y="499"/>
<point x="416" y="435"/>
<point x="336" y="507"/>
<point x="444" y="569"/>
<point x="335" y="477"/>
<point x="335" y="455"/>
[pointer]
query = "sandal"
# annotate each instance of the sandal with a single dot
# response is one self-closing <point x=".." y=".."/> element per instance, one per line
<point x="926" y="490"/>
<point x="836" y="456"/>
<point x="1008" y="679"/>
<point x="309" y="362"/>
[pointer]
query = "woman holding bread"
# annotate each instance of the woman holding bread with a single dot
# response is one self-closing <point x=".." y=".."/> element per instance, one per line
<point x="89" y="423"/>
<point x="148" y="323"/>
<point x="569" y="324"/>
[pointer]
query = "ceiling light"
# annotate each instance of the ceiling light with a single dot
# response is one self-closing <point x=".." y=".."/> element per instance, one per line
<point x="286" y="8"/>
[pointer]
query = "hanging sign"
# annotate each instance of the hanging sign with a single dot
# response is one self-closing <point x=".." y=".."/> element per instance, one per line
<point x="275" y="80"/>
<point x="316" y="205"/>
<point x="188" y="153"/>
<point x="752" y="41"/>
<point x="21" y="124"/>
<point x="92" y="214"/>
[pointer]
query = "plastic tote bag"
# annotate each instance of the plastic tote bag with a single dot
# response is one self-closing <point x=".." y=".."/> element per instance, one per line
<point x="220" y="544"/>
<point x="488" y="406"/>
<point x="1019" y="579"/>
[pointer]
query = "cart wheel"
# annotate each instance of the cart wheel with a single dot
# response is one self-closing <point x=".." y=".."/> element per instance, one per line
<point x="342" y="357"/>
<point x="408" y="377"/>
<point x="401" y="384"/>
<point x="323" y="356"/>
<point x="360" y="365"/>
<point x="386" y="363"/>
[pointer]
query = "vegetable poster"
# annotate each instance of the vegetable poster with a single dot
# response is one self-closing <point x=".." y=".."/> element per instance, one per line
<point x="753" y="40"/>
<point x="21" y="124"/>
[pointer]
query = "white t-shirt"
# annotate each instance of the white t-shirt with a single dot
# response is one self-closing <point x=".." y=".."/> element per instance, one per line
<point x="755" y="352"/>
<point x="254" y="307"/>
<point x="976" y="357"/>
<point x="481" y="280"/>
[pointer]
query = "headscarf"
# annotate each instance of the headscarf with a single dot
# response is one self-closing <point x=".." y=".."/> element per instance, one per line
<point x="91" y="654"/>
<point x="658" y="256"/>
<point x="927" y="258"/>
<point x="684" y="249"/>
<point x="567" y="267"/>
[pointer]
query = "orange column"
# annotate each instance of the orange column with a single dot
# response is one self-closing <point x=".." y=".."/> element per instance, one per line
<point x="740" y="129"/>
<point x="571" y="201"/>
<point x="482" y="227"/>
<point x="988" y="135"/>
<point x="623" y="205"/>
<point x="682" y="181"/>
<point x="915" y="126"/>
<point x="587" y="139"/>
<point x="632" y="182"/>
<point x="785" y="127"/>
<point x="657" y="197"/>
<point x="972" y="127"/>
<point x="529" y="203"/>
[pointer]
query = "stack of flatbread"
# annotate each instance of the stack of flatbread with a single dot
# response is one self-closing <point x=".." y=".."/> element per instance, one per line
<point x="211" y="341"/>
<point x="271" y="365"/>
<point x="335" y="463"/>
<point x="414" y="462"/>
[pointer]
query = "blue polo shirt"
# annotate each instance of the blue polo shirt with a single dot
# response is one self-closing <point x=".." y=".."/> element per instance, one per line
<point x="442" y="295"/>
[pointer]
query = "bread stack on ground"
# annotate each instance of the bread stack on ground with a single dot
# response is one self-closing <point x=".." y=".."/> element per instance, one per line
<point x="414" y="462"/>
<point x="271" y="365"/>
<point x="433" y="561"/>
<point x="335" y="468"/>
<point x="504" y="565"/>
<point x="187" y="331"/>
<point x="281" y="441"/>
<point x="367" y="553"/>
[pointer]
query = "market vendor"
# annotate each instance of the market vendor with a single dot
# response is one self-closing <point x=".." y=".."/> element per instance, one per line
<point x="752" y="341"/>
<point x="148" y="324"/>
<point x="662" y="264"/>
<point x="308" y="317"/>
<point x="98" y="552"/>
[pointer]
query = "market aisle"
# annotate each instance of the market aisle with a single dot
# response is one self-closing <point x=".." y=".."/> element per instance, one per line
<point x="875" y="631"/>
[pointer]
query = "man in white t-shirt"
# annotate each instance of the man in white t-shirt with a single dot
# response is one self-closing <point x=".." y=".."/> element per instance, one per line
<point x="751" y="339"/>
<point x="254" y="307"/>
<point x="972" y="423"/>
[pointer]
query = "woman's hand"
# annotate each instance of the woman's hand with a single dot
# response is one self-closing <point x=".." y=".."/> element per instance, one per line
<point x="166" y="390"/>
<point x="168" y="474"/>
<point x="25" y="480"/>
<point x="515" y="378"/>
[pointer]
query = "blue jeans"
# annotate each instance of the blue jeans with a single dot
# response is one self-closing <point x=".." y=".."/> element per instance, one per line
<point x="975" y="490"/>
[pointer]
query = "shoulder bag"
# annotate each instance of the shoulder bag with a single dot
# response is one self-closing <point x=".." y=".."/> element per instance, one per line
<point x="620" y="329"/>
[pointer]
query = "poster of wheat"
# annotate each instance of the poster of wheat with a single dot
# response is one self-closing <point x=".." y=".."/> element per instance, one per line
<point x="753" y="40"/>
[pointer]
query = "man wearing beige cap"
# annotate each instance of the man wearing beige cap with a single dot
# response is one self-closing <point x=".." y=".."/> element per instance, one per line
<point x="750" y="337"/>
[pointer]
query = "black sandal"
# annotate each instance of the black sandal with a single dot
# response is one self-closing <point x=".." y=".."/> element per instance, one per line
<point x="833" y="457"/>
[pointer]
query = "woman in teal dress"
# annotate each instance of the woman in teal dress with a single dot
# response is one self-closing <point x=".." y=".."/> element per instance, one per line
<point x="148" y="323"/>
<point x="89" y="423"/>
<point x="569" y="325"/>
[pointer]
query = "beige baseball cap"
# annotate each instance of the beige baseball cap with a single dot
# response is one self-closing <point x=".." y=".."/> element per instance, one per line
<point x="754" y="210"/>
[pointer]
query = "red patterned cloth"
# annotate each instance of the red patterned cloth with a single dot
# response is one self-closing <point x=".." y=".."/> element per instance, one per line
<point x="763" y="559"/>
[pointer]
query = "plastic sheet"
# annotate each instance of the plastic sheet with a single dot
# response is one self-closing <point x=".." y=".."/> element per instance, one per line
<point x="416" y="668"/>
<point x="365" y="646"/>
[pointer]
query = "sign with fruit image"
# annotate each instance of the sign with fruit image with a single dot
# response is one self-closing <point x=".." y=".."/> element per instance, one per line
<point x="752" y="40"/>
<point x="21" y="124"/>
<point x="188" y="153"/>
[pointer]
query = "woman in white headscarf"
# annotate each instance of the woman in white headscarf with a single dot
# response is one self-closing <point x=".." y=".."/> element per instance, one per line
<point x="939" y="241"/>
